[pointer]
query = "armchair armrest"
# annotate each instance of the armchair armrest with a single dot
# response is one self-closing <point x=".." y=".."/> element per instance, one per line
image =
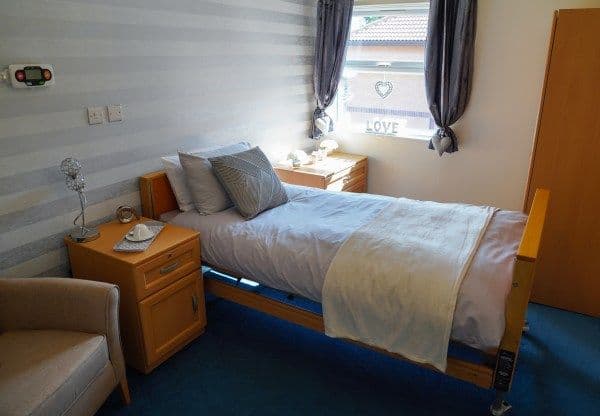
<point x="65" y="304"/>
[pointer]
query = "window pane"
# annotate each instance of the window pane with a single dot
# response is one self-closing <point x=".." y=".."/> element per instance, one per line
<point x="384" y="102"/>
<point x="383" y="88"/>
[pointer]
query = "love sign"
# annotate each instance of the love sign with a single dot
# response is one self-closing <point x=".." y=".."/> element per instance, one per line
<point x="382" y="127"/>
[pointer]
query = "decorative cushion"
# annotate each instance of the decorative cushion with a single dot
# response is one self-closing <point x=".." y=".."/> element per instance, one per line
<point x="250" y="181"/>
<point x="176" y="175"/>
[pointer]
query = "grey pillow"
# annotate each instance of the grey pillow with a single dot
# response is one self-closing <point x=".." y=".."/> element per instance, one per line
<point x="250" y="181"/>
<point x="207" y="194"/>
<point x="176" y="175"/>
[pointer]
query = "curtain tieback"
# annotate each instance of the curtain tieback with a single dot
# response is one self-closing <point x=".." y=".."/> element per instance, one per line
<point x="321" y="114"/>
<point x="444" y="141"/>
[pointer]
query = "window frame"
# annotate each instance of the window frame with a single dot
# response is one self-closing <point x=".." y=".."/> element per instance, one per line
<point x="386" y="8"/>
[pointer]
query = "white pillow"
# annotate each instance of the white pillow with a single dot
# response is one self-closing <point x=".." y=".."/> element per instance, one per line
<point x="176" y="175"/>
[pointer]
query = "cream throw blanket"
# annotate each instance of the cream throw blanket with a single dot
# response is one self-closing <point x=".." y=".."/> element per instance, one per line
<point x="393" y="284"/>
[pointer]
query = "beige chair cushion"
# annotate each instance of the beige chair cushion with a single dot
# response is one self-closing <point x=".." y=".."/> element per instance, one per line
<point x="43" y="372"/>
<point x="66" y="304"/>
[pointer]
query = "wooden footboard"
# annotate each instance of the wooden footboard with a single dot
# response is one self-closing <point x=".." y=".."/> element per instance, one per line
<point x="518" y="298"/>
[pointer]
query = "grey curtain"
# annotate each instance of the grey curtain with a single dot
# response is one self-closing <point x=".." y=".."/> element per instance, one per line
<point x="449" y="66"/>
<point x="333" y="28"/>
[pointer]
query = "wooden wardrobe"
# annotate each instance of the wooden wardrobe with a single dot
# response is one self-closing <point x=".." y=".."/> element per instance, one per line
<point x="566" y="160"/>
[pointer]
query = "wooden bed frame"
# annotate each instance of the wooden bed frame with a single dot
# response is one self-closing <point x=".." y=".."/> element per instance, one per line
<point x="157" y="198"/>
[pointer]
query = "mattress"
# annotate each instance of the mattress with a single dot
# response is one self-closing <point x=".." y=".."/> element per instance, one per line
<point x="290" y="248"/>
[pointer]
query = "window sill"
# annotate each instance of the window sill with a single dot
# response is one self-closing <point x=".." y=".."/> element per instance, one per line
<point x="419" y="137"/>
<point x="409" y="135"/>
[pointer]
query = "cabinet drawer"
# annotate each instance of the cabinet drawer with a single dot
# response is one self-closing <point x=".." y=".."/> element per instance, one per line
<point x="172" y="317"/>
<point x="351" y="172"/>
<point x="166" y="268"/>
<point x="358" y="187"/>
<point x="301" y="178"/>
<point x="348" y="183"/>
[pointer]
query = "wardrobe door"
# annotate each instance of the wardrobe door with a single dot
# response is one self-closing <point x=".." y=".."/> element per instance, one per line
<point x="566" y="160"/>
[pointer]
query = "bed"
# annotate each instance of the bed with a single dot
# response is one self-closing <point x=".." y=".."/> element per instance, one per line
<point x="272" y="248"/>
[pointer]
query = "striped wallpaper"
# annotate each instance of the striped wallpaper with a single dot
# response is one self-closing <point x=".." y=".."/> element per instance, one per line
<point x="189" y="73"/>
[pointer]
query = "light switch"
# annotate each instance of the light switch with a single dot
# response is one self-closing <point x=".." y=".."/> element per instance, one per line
<point x="115" y="113"/>
<point x="95" y="115"/>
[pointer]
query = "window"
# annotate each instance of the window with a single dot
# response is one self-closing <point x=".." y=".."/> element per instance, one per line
<point x="383" y="88"/>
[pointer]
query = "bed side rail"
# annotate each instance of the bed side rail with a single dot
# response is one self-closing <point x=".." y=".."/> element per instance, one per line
<point x="518" y="298"/>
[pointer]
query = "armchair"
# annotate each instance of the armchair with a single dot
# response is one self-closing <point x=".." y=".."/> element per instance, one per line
<point x="60" y="350"/>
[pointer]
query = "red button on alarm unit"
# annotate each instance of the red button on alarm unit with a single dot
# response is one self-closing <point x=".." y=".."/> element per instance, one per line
<point x="47" y="74"/>
<point x="20" y="75"/>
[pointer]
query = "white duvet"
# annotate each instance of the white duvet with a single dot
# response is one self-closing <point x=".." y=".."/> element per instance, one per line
<point x="291" y="248"/>
<point x="394" y="282"/>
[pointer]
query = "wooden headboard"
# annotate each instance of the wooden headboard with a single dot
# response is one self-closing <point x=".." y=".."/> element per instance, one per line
<point x="156" y="195"/>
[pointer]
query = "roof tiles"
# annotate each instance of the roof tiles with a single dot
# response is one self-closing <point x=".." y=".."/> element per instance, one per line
<point x="394" y="29"/>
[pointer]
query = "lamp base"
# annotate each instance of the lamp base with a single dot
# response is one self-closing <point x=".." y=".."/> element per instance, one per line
<point x="84" y="234"/>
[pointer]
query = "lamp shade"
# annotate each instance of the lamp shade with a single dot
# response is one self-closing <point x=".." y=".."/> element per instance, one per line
<point x="77" y="183"/>
<point x="70" y="167"/>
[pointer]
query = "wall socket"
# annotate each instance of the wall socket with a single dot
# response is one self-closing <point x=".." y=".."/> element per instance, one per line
<point x="115" y="113"/>
<point x="95" y="115"/>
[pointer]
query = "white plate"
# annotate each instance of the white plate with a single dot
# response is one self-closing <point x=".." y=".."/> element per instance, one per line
<point x="130" y="238"/>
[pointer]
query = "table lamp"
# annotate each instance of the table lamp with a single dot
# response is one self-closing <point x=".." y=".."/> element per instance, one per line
<point x="75" y="180"/>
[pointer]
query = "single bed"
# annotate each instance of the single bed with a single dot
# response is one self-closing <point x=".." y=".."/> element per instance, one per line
<point x="272" y="250"/>
<point x="274" y="247"/>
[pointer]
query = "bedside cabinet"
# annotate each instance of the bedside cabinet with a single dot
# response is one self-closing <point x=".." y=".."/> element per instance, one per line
<point x="338" y="172"/>
<point x="162" y="293"/>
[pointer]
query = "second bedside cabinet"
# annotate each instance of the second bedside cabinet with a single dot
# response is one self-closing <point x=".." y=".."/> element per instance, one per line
<point x="162" y="294"/>
<point x="338" y="172"/>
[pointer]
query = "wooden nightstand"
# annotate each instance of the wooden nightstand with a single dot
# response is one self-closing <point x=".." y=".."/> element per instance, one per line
<point x="338" y="172"/>
<point x="162" y="293"/>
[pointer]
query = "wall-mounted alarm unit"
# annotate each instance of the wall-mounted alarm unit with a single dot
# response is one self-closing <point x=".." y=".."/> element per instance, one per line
<point x="31" y="75"/>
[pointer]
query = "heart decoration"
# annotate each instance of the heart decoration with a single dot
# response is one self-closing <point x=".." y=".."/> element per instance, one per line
<point x="384" y="89"/>
<point x="441" y="144"/>
<point x="323" y="124"/>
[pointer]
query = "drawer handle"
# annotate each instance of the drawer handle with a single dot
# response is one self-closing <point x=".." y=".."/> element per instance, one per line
<point x="169" y="268"/>
<point x="195" y="303"/>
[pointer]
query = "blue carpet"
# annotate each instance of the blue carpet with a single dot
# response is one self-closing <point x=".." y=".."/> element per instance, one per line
<point x="248" y="363"/>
